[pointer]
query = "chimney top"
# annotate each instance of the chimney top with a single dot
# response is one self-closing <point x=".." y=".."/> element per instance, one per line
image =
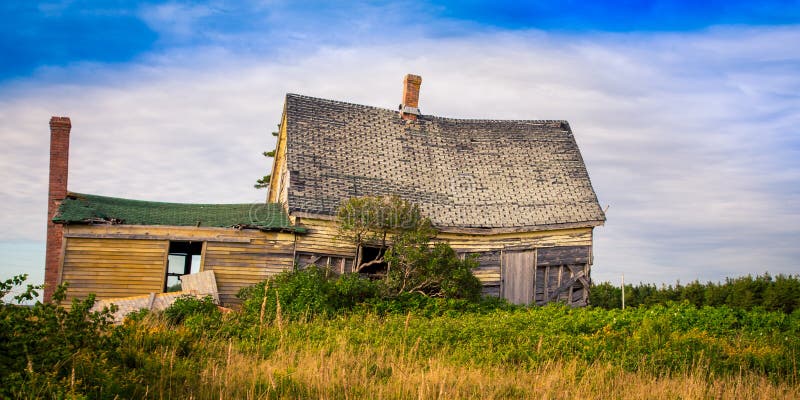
<point x="409" y="108"/>
<point x="60" y="121"/>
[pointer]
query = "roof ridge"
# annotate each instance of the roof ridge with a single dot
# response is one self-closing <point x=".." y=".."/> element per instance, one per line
<point x="429" y="116"/>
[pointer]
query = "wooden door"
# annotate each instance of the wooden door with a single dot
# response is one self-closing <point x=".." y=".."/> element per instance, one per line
<point x="518" y="273"/>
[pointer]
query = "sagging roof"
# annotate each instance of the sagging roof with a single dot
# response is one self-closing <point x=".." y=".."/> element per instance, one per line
<point x="78" y="208"/>
<point x="477" y="174"/>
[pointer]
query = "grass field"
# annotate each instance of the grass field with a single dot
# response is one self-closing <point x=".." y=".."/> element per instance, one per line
<point x="411" y="348"/>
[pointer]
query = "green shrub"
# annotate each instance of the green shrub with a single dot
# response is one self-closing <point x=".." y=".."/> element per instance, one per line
<point x="426" y="306"/>
<point x="46" y="349"/>
<point x="189" y="306"/>
<point x="199" y="315"/>
<point x="305" y="294"/>
<point x="353" y="289"/>
<point x="436" y="270"/>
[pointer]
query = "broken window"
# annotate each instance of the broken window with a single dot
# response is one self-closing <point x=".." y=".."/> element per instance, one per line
<point x="372" y="263"/>
<point x="184" y="258"/>
<point x="337" y="264"/>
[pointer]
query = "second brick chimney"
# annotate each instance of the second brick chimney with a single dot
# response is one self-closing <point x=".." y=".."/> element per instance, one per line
<point x="409" y="108"/>
<point x="57" y="191"/>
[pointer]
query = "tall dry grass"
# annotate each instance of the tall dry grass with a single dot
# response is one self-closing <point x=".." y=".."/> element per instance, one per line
<point x="343" y="371"/>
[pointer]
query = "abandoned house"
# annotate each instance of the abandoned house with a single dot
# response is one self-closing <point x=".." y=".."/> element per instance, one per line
<point x="514" y="193"/>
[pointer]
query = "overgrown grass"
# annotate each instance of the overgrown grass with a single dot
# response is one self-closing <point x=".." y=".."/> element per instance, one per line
<point x="414" y="347"/>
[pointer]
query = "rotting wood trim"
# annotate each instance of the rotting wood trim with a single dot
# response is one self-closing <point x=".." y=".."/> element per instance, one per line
<point x="134" y="236"/>
<point x="520" y="229"/>
<point x="203" y="257"/>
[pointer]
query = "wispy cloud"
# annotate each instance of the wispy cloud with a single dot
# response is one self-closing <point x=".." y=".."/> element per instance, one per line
<point x="691" y="139"/>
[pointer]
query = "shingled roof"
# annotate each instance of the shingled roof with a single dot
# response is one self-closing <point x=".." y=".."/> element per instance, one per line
<point x="466" y="174"/>
<point x="78" y="208"/>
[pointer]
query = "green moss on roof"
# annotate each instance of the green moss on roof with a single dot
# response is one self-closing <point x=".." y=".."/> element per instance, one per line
<point x="87" y="208"/>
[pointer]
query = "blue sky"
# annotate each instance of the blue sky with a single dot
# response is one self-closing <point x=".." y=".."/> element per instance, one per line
<point x="686" y="112"/>
<point x="59" y="33"/>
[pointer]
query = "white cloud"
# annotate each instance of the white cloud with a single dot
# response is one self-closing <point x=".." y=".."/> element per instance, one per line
<point x="176" y="20"/>
<point x="690" y="138"/>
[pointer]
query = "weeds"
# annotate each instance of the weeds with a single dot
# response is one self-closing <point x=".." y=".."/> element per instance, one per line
<point x="294" y="346"/>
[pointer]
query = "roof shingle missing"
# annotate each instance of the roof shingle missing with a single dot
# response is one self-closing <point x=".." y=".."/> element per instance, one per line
<point x="482" y="174"/>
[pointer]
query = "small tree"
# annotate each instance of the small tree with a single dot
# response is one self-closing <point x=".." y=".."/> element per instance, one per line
<point x="371" y="219"/>
<point x="413" y="263"/>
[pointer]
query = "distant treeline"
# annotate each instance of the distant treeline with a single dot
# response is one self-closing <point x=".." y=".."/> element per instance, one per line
<point x="778" y="293"/>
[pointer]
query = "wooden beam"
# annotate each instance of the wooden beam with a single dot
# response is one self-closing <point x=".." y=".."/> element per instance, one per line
<point x="156" y="237"/>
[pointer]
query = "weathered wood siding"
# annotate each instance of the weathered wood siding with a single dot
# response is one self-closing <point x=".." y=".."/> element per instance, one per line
<point x="562" y="274"/>
<point x="113" y="267"/>
<point x="279" y="183"/>
<point x="488" y="249"/>
<point x="125" y="260"/>
<point x="238" y="265"/>
<point x="322" y="240"/>
<point x="543" y="275"/>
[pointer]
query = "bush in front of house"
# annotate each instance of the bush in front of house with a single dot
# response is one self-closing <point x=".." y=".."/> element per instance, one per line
<point x="305" y="294"/>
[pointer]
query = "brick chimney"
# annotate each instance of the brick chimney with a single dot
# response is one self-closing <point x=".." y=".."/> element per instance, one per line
<point x="57" y="191"/>
<point x="409" y="108"/>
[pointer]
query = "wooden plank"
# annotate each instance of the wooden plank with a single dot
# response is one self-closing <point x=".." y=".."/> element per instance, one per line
<point x="99" y="274"/>
<point x="102" y="241"/>
<point x="83" y="258"/>
<point x="518" y="276"/>
<point x="174" y="231"/>
<point x="158" y="237"/>
<point x="563" y="255"/>
<point x="201" y="283"/>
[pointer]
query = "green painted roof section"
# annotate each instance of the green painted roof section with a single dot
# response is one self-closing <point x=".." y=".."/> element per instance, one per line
<point x="88" y="208"/>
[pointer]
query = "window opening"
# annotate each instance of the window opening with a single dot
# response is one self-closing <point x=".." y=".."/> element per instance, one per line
<point x="184" y="258"/>
<point x="370" y="264"/>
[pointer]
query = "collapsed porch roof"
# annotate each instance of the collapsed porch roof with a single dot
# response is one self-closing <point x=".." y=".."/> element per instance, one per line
<point x="78" y="208"/>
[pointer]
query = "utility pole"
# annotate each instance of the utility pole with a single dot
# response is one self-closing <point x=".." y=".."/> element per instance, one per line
<point x="623" y="291"/>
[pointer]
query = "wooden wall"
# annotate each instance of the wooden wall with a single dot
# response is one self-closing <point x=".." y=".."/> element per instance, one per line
<point x="238" y="265"/>
<point x="125" y="260"/>
<point x="488" y="249"/>
<point x="322" y="240"/>
<point x="113" y="267"/>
